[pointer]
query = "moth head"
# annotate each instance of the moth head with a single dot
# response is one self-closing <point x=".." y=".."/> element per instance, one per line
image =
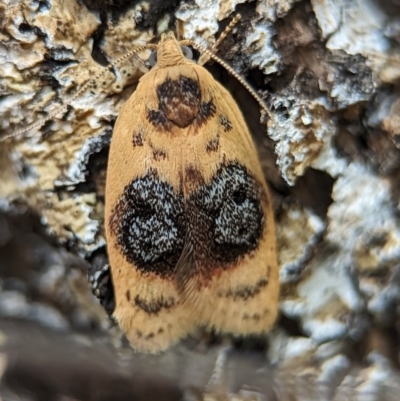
<point x="169" y="52"/>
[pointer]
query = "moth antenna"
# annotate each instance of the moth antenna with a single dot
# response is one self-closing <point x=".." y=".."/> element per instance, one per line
<point x="63" y="108"/>
<point x="205" y="57"/>
<point x="256" y="96"/>
<point x="226" y="31"/>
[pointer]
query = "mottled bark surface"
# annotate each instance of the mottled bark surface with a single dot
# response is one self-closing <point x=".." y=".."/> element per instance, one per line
<point x="328" y="71"/>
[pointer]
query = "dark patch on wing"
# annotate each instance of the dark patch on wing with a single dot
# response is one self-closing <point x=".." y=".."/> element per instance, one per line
<point x="245" y="292"/>
<point x="224" y="220"/>
<point x="255" y="316"/>
<point x="226" y="123"/>
<point x="137" y="138"/>
<point x="148" y="222"/>
<point x="159" y="154"/>
<point x="207" y="111"/>
<point x="158" y="119"/>
<point x="155" y="305"/>
<point x="212" y="145"/>
<point x="193" y="176"/>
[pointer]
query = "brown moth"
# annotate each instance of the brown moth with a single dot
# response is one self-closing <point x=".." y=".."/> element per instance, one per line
<point x="189" y="222"/>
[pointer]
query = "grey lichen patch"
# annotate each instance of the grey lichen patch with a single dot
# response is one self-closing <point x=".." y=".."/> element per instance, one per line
<point x="273" y="9"/>
<point x="361" y="237"/>
<point x="368" y="240"/>
<point x="356" y="259"/>
<point x="60" y="25"/>
<point x="298" y="233"/>
<point x="297" y="355"/>
<point x="384" y="115"/>
<point x="356" y="28"/>
<point x="75" y="219"/>
<point x="192" y="17"/>
<point x="303" y="133"/>
<point x="122" y="36"/>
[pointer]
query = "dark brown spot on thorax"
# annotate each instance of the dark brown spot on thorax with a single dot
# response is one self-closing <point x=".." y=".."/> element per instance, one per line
<point x="179" y="100"/>
<point x="180" y="103"/>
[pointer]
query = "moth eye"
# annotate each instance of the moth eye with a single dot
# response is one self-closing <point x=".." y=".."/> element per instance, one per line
<point x="153" y="58"/>
<point x="187" y="52"/>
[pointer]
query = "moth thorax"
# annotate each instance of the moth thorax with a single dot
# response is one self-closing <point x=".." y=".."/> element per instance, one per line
<point x="169" y="52"/>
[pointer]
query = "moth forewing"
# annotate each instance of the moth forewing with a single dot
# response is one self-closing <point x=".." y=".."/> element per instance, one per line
<point x="189" y="221"/>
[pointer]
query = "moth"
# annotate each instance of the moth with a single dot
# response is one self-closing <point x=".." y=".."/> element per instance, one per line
<point x="189" y="223"/>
